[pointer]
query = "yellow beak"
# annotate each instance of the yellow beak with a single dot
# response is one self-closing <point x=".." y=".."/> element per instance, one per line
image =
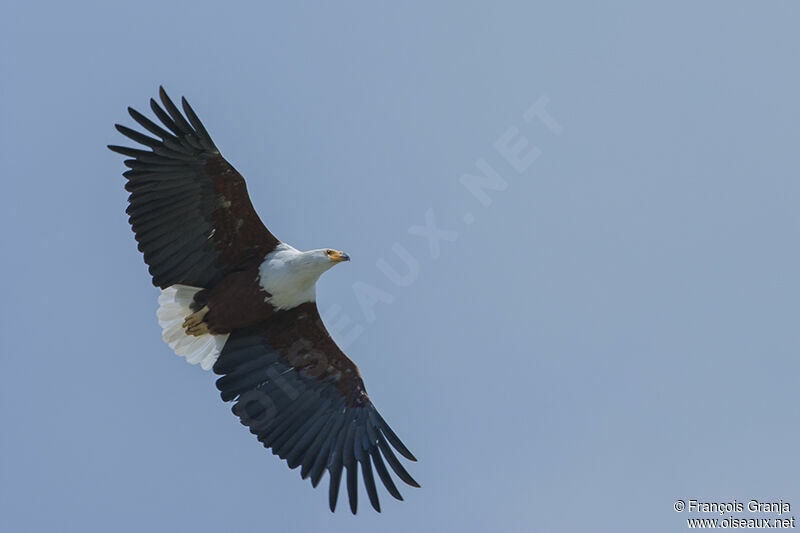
<point x="337" y="256"/>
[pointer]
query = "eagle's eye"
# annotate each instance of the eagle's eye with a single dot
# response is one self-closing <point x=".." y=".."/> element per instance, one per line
<point x="329" y="252"/>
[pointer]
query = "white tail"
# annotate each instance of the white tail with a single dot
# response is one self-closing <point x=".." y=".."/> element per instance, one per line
<point x="174" y="305"/>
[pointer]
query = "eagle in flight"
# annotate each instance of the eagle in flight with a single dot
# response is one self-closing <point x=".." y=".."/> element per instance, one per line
<point x="239" y="301"/>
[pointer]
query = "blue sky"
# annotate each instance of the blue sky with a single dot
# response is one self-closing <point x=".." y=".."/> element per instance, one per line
<point x="611" y="328"/>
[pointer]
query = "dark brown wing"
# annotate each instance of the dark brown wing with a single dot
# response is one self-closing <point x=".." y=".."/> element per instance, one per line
<point x="301" y="395"/>
<point x="189" y="208"/>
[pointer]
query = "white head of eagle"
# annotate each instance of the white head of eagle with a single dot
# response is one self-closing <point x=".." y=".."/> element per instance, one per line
<point x="290" y="276"/>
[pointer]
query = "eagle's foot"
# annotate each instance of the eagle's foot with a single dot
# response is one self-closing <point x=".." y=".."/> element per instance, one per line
<point x="194" y="324"/>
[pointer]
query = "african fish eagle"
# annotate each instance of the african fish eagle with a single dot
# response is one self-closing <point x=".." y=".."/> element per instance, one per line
<point x="236" y="299"/>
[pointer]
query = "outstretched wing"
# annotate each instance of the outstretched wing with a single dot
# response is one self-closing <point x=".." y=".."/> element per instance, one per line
<point x="189" y="208"/>
<point x="302" y="397"/>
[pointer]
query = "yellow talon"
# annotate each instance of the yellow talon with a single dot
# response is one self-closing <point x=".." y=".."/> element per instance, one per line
<point x="194" y="324"/>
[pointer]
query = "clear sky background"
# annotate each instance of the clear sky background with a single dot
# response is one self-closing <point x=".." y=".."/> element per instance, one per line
<point x="615" y="330"/>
